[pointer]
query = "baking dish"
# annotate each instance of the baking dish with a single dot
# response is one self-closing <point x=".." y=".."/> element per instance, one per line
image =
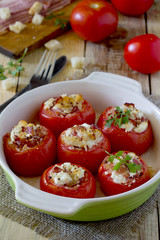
<point x="101" y="90"/>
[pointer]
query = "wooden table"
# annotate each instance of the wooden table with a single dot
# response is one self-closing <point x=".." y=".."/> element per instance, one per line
<point x="105" y="56"/>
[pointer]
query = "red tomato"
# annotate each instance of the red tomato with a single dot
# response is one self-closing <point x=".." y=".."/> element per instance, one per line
<point x="57" y="120"/>
<point x="132" y="7"/>
<point x="84" y="147"/>
<point x="30" y="156"/>
<point x="68" y="185"/>
<point x="142" y="53"/>
<point x="120" y="139"/>
<point x="114" y="182"/>
<point x="94" y="20"/>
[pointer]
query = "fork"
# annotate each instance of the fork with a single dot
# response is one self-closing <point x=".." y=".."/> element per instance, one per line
<point x="41" y="76"/>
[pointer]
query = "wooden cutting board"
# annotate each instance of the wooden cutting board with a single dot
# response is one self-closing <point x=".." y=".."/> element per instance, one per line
<point x="33" y="36"/>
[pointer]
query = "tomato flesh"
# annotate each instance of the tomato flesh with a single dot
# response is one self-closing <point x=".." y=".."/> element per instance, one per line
<point x="33" y="160"/>
<point x="122" y="140"/>
<point x="142" y="53"/>
<point x="132" y="7"/>
<point x="109" y="187"/>
<point x="90" y="158"/>
<point x="94" y="20"/>
<point x="58" y="123"/>
<point x="85" y="188"/>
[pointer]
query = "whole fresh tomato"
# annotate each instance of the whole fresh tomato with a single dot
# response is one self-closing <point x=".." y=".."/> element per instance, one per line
<point x="126" y="128"/>
<point x="142" y="53"/>
<point x="122" y="171"/>
<point x="29" y="149"/>
<point x="64" y="111"/>
<point x="132" y="7"/>
<point x="68" y="180"/>
<point x="84" y="145"/>
<point x="94" y="20"/>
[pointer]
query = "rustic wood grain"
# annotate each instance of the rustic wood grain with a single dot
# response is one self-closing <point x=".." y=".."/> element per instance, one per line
<point x="34" y="36"/>
<point x="105" y="56"/>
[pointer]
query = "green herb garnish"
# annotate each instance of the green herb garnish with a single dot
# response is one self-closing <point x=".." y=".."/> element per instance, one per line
<point x="12" y="68"/>
<point x="58" y="19"/>
<point x="119" y="118"/>
<point x="133" y="168"/>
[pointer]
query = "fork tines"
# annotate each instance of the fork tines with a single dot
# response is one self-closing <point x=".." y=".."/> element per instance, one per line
<point x="46" y="65"/>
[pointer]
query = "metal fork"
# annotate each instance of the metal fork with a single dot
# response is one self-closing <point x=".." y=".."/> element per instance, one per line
<point x="41" y="76"/>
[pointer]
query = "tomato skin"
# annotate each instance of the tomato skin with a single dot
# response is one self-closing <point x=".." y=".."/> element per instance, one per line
<point x="109" y="187"/>
<point x="94" y="20"/>
<point x="132" y="7"/>
<point x="90" y="159"/>
<point x="142" y="53"/>
<point x="33" y="161"/>
<point x="121" y="140"/>
<point x="85" y="189"/>
<point x="57" y="123"/>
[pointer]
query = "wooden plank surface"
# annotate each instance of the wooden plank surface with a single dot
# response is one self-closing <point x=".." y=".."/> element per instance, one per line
<point x="34" y="36"/>
<point x="105" y="56"/>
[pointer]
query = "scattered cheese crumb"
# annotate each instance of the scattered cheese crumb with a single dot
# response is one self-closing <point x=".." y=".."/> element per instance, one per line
<point x="5" y="13"/>
<point x="53" y="45"/>
<point x="36" y="8"/>
<point x="17" y="27"/>
<point x="78" y="62"/>
<point x="9" y="83"/>
<point x="37" y="19"/>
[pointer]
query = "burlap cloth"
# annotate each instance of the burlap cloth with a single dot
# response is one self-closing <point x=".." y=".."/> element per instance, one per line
<point x="59" y="229"/>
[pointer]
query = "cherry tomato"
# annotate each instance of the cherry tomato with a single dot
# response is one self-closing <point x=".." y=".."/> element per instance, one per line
<point x="121" y="138"/>
<point x="68" y="180"/>
<point x="58" y="119"/>
<point x="132" y="7"/>
<point x="142" y="53"/>
<point x="84" y="145"/>
<point x="114" y="182"/>
<point x="31" y="150"/>
<point x="94" y="20"/>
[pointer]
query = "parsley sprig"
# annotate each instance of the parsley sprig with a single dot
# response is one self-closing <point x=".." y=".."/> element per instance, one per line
<point x="12" y="68"/>
<point x="133" y="168"/>
<point x="119" y="118"/>
<point x="58" y="19"/>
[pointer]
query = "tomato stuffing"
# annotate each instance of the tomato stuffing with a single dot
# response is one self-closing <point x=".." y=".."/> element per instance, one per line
<point x="94" y="20"/>
<point x="84" y="145"/>
<point x="132" y="7"/>
<point x="122" y="171"/>
<point x="63" y="112"/>
<point x="142" y="53"/>
<point x="29" y="149"/>
<point x="126" y="128"/>
<point x="68" y="180"/>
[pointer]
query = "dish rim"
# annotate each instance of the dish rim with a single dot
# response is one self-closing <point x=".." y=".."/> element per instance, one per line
<point x="21" y="185"/>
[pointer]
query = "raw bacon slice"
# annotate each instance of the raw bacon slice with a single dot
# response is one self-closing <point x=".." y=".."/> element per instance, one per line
<point x="19" y="10"/>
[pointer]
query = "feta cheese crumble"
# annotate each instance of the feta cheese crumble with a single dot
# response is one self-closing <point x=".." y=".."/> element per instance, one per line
<point x="65" y="104"/>
<point x="136" y="122"/>
<point x="68" y="174"/>
<point x="82" y="136"/>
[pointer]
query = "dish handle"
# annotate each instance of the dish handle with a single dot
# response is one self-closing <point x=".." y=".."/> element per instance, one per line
<point x="116" y="80"/>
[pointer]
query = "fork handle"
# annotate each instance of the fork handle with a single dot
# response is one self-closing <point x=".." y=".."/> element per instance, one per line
<point x="5" y="104"/>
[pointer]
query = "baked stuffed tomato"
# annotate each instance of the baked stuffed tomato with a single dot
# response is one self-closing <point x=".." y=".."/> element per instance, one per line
<point x="122" y="171"/>
<point x="84" y="145"/>
<point x="127" y="128"/>
<point x="63" y="112"/>
<point x="68" y="180"/>
<point x="29" y="149"/>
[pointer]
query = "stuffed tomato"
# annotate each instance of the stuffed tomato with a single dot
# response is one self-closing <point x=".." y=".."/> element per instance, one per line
<point x="68" y="180"/>
<point x="29" y="149"/>
<point x="63" y="112"/>
<point x="84" y="145"/>
<point x="122" y="171"/>
<point x="126" y="128"/>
